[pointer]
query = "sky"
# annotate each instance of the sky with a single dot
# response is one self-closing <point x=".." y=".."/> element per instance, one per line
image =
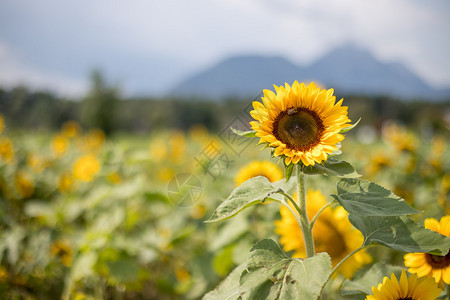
<point x="146" y="46"/>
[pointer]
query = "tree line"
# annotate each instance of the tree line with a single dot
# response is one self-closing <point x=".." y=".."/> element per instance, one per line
<point x="104" y="107"/>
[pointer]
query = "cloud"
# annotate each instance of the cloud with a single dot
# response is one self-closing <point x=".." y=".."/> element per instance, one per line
<point x="148" y="45"/>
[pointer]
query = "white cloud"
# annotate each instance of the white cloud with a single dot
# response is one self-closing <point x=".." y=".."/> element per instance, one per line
<point x="169" y="37"/>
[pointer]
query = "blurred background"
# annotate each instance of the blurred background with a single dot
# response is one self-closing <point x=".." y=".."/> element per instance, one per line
<point x="115" y="117"/>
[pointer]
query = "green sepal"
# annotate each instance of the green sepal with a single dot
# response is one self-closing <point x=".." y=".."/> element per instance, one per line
<point x="347" y="129"/>
<point x="248" y="133"/>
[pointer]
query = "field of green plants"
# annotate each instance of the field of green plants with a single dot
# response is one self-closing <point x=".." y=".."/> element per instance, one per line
<point x="84" y="216"/>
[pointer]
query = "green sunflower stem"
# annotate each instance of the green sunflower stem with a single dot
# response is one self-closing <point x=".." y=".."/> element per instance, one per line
<point x="305" y="225"/>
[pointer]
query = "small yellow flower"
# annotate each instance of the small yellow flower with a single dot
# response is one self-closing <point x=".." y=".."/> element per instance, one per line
<point x="24" y="185"/>
<point x="62" y="249"/>
<point x="302" y="123"/>
<point x="4" y="274"/>
<point x="332" y="233"/>
<point x="379" y="161"/>
<point x="59" y="145"/>
<point x="114" y="178"/>
<point x="66" y="182"/>
<point x="6" y="150"/>
<point x="400" y="138"/>
<point x="158" y="150"/>
<point x="424" y="264"/>
<point x="70" y="129"/>
<point x="93" y="140"/>
<point x="411" y="288"/>
<point x="86" y="167"/>
<point x="182" y="274"/>
<point x="198" y="211"/>
<point x="35" y="163"/>
<point x="177" y="143"/>
<point x="259" y="168"/>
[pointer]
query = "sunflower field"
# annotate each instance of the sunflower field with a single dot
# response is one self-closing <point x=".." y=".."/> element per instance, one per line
<point x="322" y="208"/>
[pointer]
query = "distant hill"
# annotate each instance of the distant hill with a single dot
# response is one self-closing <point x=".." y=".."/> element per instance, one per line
<point x="348" y="69"/>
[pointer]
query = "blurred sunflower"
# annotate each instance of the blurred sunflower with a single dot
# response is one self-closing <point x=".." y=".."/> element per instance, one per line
<point x="35" y="163"/>
<point x="59" y="145"/>
<point x="65" y="183"/>
<point x="411" y="288"/>
<point x="24" y="185"/>
<point x="93" y="140"/>
<point x="378" y="161"/>
<point x="301" y="122"/>
<point x="86" y="167"/>
<point x="259" y="168"/>
<point x="400" y="138"/>
<point x="6" y="149"/>
<point x="424" y="264"/>
<point x="177" y="143"/>
<point x="70" y="129"/>
<point x="332" y="233"/>
<point x="63" y="250"/>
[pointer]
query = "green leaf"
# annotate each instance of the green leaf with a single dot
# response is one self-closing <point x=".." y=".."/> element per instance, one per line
<point x="83" y="266"/>
<point x="365" y="198"/>
<point x="124" y="270"/>
<point x="367" y="278"/>
<point x="400" y="233"/>
<point x="288" y="170"/>
<point x="255" y="190"/>
<point x="249" y="133"/>
<point x="346" y="129"/>
<point x="271" y="274"/>
<point x="229" y="287"/>
<point x="332" y="167"/>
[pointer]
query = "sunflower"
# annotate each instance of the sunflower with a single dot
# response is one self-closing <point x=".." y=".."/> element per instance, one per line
<point x="302" y="123"/>
<point x="259" y="168"/>
<point x="425" y="264"/>
<point x="86" y="167"/>
<point x="332" y="233"/>
<point x="411" y="288"/>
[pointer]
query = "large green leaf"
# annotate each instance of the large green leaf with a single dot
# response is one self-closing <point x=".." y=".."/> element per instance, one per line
<point x="367" y="278"/>
<point x="400" y="233"/>
<point x="252" y="191"/>
<point x="271" y="274"/>
<point x="332" y="167"/>
<point x="365" y="198"/>
<point x="229" y="288"/>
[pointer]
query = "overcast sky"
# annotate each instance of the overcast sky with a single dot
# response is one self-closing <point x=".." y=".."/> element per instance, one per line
<point x="147" y="46"/>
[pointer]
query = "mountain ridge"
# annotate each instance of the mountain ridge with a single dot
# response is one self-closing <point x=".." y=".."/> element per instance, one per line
<point x="347" y="69"/>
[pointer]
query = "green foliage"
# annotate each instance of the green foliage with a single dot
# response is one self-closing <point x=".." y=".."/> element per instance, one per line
<point x="271" y="274"/>
<point x="228" y="288"/>
<point x="400" y="233"/>
<point x="367" y="278"/>
<point x="364" y="198"/>
<point x="253" y="191"/>
<point x="332" y="167"/>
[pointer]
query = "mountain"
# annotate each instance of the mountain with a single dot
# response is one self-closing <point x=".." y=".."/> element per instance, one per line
<point x="348" y="69"/>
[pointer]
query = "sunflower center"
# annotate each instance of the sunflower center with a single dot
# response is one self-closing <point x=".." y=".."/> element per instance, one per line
<point x="438" y="262"/>
<point x="328" y="239"/>
<point x="299" y="128"/>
